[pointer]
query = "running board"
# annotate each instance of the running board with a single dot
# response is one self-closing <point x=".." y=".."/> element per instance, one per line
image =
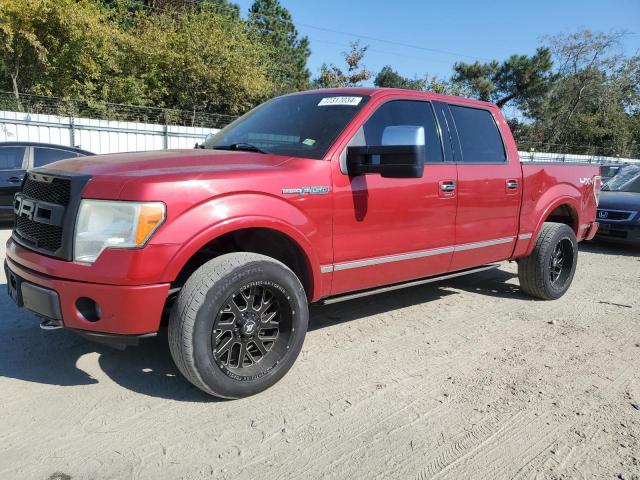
<point x="398" y="286"/>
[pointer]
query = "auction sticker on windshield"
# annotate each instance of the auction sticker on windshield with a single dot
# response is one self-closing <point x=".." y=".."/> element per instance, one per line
<point x="331" y="101"/>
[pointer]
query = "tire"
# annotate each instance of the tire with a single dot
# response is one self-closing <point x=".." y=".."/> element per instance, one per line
<point x="238" y="324"/>
<point x="546" y="274"/>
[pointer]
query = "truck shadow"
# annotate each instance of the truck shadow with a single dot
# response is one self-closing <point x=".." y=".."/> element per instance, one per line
<point x="63" y="358"/>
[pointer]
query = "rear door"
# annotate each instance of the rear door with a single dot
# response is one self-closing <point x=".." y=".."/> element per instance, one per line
<point x="13" y="163"/>
<point x="489" y="189"/>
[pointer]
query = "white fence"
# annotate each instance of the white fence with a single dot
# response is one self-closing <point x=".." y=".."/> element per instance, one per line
<point x="98" y="136"/>
<point x="571" y="158"/>
<point x="108" y="136"/>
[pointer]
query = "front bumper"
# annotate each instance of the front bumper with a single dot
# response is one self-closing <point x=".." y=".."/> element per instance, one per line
<point x="122" y="310"/>
<point x="619" y="232"/>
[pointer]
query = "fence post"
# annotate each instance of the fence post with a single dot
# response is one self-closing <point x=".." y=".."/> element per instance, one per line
<point x="72" y="132"/>
<point x="165" y="131"/>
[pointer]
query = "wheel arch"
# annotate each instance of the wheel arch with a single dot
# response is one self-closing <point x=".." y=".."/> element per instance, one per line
<point x="264" y="235"/>
<point x="562" y="210"/>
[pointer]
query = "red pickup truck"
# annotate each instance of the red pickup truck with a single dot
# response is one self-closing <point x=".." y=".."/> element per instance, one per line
<point x="318" y="196"/>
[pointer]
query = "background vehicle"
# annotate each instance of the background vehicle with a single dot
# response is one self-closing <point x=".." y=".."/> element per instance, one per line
<point x="619" y="207"/>
<point x="17" y="157"/>
<point x="313" y="197"/>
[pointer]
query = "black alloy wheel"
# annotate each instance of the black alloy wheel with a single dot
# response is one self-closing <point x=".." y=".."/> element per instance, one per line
<point x="548" y="271"/>
<point x="238" y="324"/>
<point x="252" y="330"/>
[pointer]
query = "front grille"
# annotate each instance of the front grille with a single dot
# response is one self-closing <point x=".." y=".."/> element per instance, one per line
<point x="57" y="191"/>
<point x="39" y="235"/>
<point x="45" y="212"/>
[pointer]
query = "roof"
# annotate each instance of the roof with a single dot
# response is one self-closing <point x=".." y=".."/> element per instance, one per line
<point x="373" y="92"/>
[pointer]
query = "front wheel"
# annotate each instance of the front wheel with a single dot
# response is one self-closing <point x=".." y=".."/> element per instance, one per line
<point x="238" y="324"/>
<point x="548" y="272"/>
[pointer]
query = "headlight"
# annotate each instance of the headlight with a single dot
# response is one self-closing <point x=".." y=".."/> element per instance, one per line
<point x="105" y="224"/>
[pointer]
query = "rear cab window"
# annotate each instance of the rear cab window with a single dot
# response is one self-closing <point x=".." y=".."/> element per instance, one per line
<point x="480" y="139"/>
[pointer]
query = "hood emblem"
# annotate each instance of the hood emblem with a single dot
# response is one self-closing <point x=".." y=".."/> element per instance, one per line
<point x="322" y="190"/>
<point x="603" y="214"/>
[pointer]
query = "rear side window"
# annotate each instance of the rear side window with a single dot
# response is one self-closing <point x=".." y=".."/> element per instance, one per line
<point x="11" y="158"/>
<point x="405" y="112"/>
<point x="480" y="139"/>
<point x="44" y="156"/>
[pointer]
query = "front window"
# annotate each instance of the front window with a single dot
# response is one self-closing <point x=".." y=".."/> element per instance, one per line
<point x="399" y="114"/>
<point x="304" y="125"/>
<point x="627" y="179"/>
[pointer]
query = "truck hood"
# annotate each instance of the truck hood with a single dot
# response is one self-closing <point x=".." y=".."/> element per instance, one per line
<point x="619" y="201"/>
<point x="187" y="163"/>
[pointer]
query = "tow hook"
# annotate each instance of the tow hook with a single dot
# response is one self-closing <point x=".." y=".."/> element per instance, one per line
<point x="51" y="324"/>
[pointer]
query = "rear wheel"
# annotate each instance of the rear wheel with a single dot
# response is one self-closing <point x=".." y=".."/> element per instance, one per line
<point x="548" y="272"/>
<point x="238" y="324"/>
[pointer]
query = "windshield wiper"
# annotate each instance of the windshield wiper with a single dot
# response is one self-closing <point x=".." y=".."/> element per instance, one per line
<point x="242" y="146"/>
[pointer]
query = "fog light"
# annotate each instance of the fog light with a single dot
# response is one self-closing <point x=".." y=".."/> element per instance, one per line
<point x="89" y="309"/>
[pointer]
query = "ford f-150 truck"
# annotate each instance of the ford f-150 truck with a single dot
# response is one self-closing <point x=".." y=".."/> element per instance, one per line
<point x="317" y="196"/>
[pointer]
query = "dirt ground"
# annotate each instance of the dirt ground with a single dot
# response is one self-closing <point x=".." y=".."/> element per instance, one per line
<point x="466" y="378"/>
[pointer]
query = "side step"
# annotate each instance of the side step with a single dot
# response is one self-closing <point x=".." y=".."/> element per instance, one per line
<point x="398" y="286"/>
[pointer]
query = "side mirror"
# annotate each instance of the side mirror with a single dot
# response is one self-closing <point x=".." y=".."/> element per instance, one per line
<point x="401" y="155"/>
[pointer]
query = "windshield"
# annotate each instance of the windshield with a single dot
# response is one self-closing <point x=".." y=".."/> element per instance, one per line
<point x="298" y="125"/>
<point x="627" y="179"/>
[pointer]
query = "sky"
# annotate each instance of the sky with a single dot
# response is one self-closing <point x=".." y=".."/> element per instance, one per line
<point x="436" y="34"/>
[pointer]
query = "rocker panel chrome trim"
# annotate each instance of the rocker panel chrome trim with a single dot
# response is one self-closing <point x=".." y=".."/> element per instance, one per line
<point x="413" y="255"/>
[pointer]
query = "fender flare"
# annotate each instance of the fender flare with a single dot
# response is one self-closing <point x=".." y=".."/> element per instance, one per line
<point x="240" y="219"/>
<point x="568" y="200"/>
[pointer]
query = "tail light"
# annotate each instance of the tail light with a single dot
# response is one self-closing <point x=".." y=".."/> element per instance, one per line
<point x="597" y="186"/>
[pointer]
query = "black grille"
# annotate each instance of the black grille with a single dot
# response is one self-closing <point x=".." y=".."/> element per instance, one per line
<point x="39" y="235"/>
<point x="57" y="191"/>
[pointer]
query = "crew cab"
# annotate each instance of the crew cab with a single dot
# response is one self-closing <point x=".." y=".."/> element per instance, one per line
<point x="317" y="196"/>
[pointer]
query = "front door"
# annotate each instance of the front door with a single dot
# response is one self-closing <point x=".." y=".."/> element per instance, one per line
<point x="389" y="230"/>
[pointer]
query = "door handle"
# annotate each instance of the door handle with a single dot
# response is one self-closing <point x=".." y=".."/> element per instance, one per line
<point x="512" y="184"/>
<point x="14" y="179"/>
<point x="448" y="186"/>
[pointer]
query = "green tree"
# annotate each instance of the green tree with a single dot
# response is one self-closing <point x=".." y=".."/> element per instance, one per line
<point x="221" y="6"/>
<point x="389" y="78"/>
<point x="332" y="76"/>
<point x="521" y="79"/>
<point x="61" y="47"/>
<point x="289" y="52"/>
<point x="592" y="104"/>
<point x="198" y="61"/>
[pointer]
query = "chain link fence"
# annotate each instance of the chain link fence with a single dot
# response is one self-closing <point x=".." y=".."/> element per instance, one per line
<point x="38" y="104"/>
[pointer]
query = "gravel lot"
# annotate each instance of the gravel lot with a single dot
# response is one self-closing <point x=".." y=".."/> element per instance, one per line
<point x="466" y="378"/>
